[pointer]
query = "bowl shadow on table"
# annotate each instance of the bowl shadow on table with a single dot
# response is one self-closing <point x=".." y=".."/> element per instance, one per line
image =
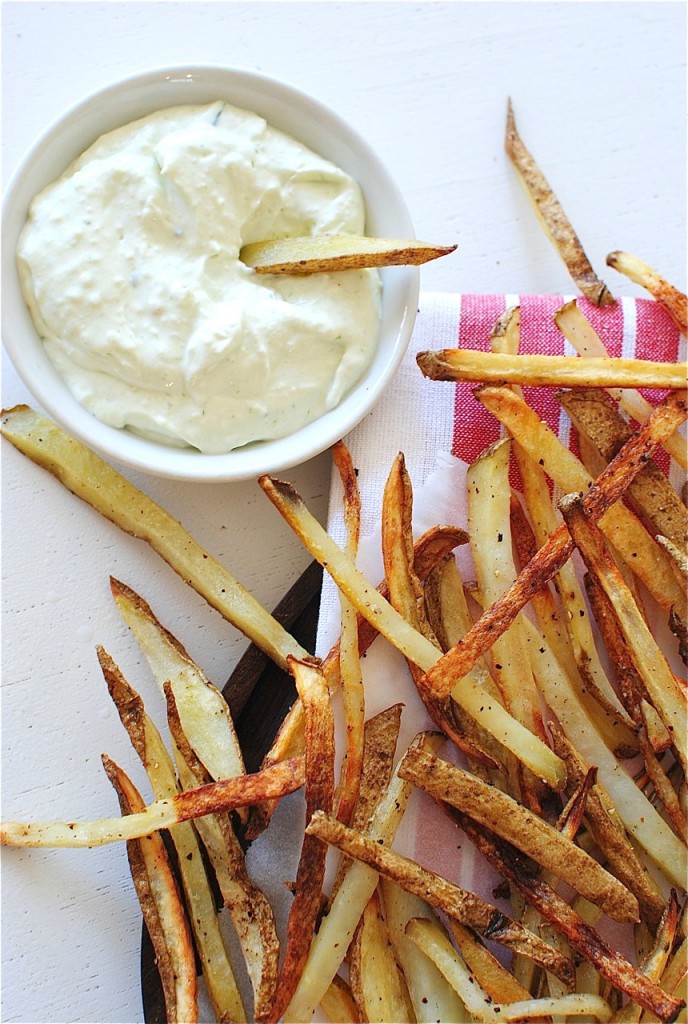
<point x="259" y="695"/>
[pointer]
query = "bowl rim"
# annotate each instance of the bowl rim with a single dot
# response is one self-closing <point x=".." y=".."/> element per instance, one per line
<point x="124" y="446"/>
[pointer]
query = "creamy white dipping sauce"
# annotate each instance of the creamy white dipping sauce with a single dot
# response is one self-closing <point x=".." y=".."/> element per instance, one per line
<point x="130" y="267"/>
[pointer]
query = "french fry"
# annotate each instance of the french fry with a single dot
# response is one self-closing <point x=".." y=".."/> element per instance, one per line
<point x="249" y="909"/>
<point x="678" y="556"/>
<point x="526" y="831"/>
<point x="608" y="488"/>
<point x="455" y="364"/>
<point x="322" y="254"/>
<point x="662" y="688"/>
<point x="432" y="997"/>
<point x="636" y="270"/>
<point x="377" y="982"/>
<point x="162" y="907"/>
<point x="451" y="899"/>
<point x="90" y="478"/>
<point x="203" y="712"/>
<point x="619" y="852"/>
<point x="487" y="485"/>
<point x="554" y="220"/>
<point x="305" y="907"/>
<point x="226" y="795"/>
<point x="500" y="985"/>
<point x="338" y="925"/>
<point x="578" y="330"/>
<point x="338" y="1003"/>
<point x="581" y="936"/>
<point x="417" y="648"/>
<point x="353" y="697"/>
<point x="407" y="597"/>
<point x="200" y="900"/>
<point x="621" y="526"/>
<point x="478" y="1001"/>
<point x="650" y="495"/>
<point x="655" y="962"/>
<point x="639" y="816"/>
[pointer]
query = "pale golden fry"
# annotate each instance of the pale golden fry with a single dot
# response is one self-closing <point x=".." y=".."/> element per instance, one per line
<point x="162" y="907"/>
<point x="650" y="663"/>
<point x="555" y="221"/>
<point x="526" y="831"/>
<point x="478" y="1001"/>
<point x="651" y="495"/>
<point x="581" y="936"/>
<point x="489" y="498"/>
<point x="451" y="899"/>
<point x="625" y="531"/>
<point x="620" y="855"/>
<point x="678" y="556"/>
<point x="673" y="300"/>
<point x="542" y="370"/>
<point x="323" y="254"/>
<point x="338" y="925"/>
<point x="226" y="795"/>
<point x="578" y="330"/>
<point x="90" y="478"/>
<point x="203" y="712"/>
<point x="638" y="814"/>
<point x="248" y="907"/>
<point x="353" y="696"/>
<point x="310" y="875"/>
<point x="377" y="982"/>
<point x="147" y="741"/>
<point x="338" y="1003"/>
<point x="607" y="489"/>
<point x="417" y="648"/>
<point x="432" y="997"/>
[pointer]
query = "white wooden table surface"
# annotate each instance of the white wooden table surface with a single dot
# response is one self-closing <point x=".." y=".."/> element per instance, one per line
<point x="599" y="92"/>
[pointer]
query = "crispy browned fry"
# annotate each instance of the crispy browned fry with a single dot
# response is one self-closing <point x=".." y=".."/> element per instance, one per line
<point x="377" y="982"/>
<point x="606" y="490"/>
<point x="651" y="495"/>
<point x="226" y="795"/>
<point x="526" y="831"/>
<point x="353" y="696"/>
<point x="678" y="556"/>
<point x="673" y="300"/>
<point x="620" y="854"/>
<point x="305" y="907"/>
<point x="200" y="899"/>
<point x="500" y="984"/>
<point x="650" y="663"/>
<point x="90" y="478"/>
<point x="248" y="907"/>
<point x="581" y="936"/>
<point x="555" y="221"/>
<point x="319" y="254"/>
<point x="162" y="907"/>
<point x="464" y="906"/>
<point x="654" y="963"/>
<point x="542" y="370"/>
<point x="430" y="548"/>
<point x="664" y="791"/>
<point x="407" y="596"/>
<point x="578" y="330"/>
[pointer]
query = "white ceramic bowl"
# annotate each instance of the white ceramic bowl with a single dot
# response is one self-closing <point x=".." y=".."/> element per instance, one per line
<point x="284" y="107"/>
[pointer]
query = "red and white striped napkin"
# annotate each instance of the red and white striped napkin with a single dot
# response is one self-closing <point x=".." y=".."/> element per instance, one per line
<point x="441" y="428"/>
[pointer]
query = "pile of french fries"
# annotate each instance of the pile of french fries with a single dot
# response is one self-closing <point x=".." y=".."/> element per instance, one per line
<point x="559" y="747"/>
